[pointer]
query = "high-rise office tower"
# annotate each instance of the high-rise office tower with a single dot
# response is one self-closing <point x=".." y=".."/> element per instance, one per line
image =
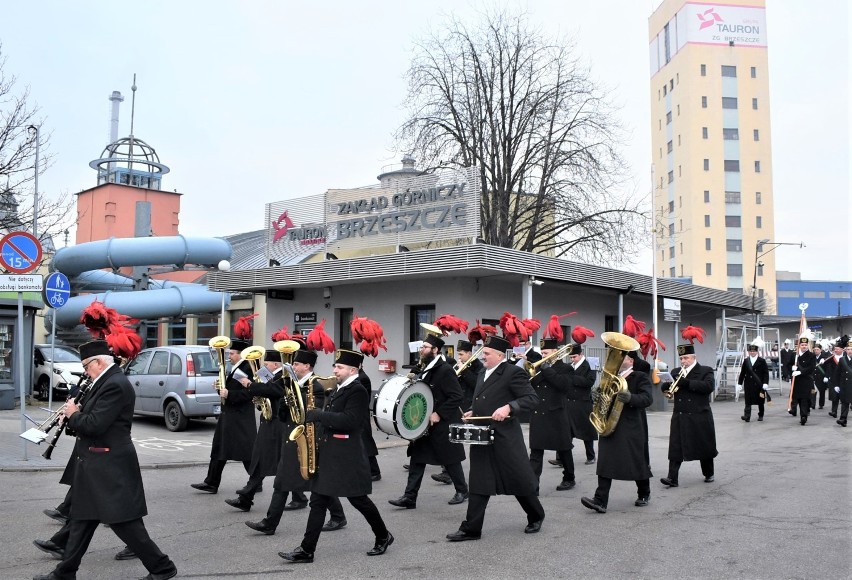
<point x="710" y="135"/>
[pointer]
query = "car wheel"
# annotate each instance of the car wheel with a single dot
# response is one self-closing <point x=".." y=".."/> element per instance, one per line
<point x="175" y="419"/>
<point x="42" y="388"/>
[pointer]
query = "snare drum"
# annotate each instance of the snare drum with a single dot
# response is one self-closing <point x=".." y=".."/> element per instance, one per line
<point x="471" y="434"/>
<point x="402" y="407"/>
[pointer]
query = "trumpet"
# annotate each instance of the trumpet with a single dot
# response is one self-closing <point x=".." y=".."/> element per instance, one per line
<point x="459" y="368"/>
<point x="254" y="356"/>
<point x="220" y="343"/>
<point x="532" y="368"/>
<point x="670" y="392"/>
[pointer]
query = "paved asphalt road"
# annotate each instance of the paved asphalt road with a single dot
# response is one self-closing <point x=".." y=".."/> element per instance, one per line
<point x="779" y="508"/>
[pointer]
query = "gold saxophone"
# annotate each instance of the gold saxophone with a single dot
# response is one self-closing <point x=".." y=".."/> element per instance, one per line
<point x="606" y="409"/>
<point x="303" y="435"/>
<point x="254" y="356"/>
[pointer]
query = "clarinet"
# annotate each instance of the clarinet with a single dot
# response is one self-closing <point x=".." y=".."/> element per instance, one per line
<point x="82" y="389"/>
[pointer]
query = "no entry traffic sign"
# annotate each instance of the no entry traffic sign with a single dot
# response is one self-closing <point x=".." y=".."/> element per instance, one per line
<point x="20" y="252"/>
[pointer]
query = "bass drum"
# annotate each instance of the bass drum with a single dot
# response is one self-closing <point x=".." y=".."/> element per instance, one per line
<point x="402" y="407"/>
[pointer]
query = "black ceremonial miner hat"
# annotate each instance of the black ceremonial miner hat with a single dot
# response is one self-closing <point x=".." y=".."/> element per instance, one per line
<point x="348" y="357"/>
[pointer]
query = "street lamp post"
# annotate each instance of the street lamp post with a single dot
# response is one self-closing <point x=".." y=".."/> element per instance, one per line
<point x="758" y="248"/>
<point x="35" y="188"/>
<point x="224" y="266"/>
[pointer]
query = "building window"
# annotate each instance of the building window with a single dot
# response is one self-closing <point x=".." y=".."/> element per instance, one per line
<point x="732" y="165"/>
<point x="678" y="171"/>
<point x="661" y="123"/>
<point x="729" y="102"/>
<point x="665" y="90"/>
<point x="671" y="84"/>
<point x="706" y="196"/>
<point x="678" y="140"/>
<point x="707" y="244"/>
<point x="669" y="147"/>
<point x="733" y="221"/>
<point x="758" y="222"/>
<point x="843" y="295"/>
<point x="729" y="71"/>
<point x="734" y="245"/>
<point x="788" y="294"/>
<point x="756" y="135"/>
<point x="703" y="102"/>
<point x="704" y="132"/>
<point x="344" y="330"/>
<point x="757" y="200"/>
<point x="671" y="176"/>
<point x="668" y="118"/>
<point x="754" y="103"/>
<point x="706" y="221"/>
<point x="708" y="269"/>
<point x="671" y="251"/>
<point x="671" y="230"/>
<point x="672" y="272"/>
<point x="671" y="207"/>
<point x="759" y="295"/>
<point x="706" y="165"/>
<point x="813" y="294"/>
<point x="757" y="166"/>
<point x="678" y="110"/>
<point x="735" y="290"/>
<point x="735" y="269"/>
<point x="754" y="72"/>
<point x="208" y="327"/>
<point x="609" y="322"/>
<point x="658" y="95"/>
<point x="731" y="134"/>
<point x="732" y="197"/>
<point x="704" y="70"/>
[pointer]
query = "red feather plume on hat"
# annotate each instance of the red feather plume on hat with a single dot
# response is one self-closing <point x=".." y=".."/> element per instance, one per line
<point x="580" y="333"/>
<point x="481" y="332"/>
<point x="513" y="329"/>
<point x="369" y="334"/>
<point x="449" y="323"/>
<point x="107" y="324"/>
<point x="242" y="327"/>
<point x="554" y="329"/>
<point x="648" y="343"/>
<point x="124" y="341"/>
<point x="693" y="333"/>
<point x="97" y="317"/>
<point x="531" y="324"/>
<point x="318" y="339"/>
<point x="282" y="333"/>
<point x="633" y="327"/>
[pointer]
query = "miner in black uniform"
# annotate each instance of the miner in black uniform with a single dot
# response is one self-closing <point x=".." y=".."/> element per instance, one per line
<point x="623" y="454"/>
<point x="267" y="444"/>
<point x="343" y="469"/>
<point x="435" y="447"/>
<point x="579" y="402"/>
<point x="831" y="368"/>
<point x="467" y="379"/>
<point x="842" y="383"/>
<point x="550" y="423"/>
<point x="236" y="428"/>
<point x="754" y="379"/>
<point x="503" y="468"/>
<point x="107" y="482"/>
<point x="693" y="433"/>
<point x="804" y="365"/>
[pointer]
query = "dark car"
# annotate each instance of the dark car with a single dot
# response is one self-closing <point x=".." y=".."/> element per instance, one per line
<point x="176" y="383"/>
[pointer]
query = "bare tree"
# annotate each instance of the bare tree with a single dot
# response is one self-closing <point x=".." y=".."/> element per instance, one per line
<point x="18" y="122"/>
<point x="522" y="109"/>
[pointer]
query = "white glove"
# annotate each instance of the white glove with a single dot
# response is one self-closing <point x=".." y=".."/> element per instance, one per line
<point x="765" y="387"/>
<point x="825" y="380"/>
<point x="795" y="368"/>
<point x="836" y="389"/>
<point x="796" y="373"/>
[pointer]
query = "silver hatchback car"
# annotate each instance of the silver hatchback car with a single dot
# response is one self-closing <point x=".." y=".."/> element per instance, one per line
<point x="176" y="383"/>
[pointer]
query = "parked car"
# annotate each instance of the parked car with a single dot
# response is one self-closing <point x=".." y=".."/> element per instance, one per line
<point x="176" y="383"/>
<point x="67" y="370"/>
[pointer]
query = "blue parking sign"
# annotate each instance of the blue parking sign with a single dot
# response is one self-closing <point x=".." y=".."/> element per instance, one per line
<point x="57" y="290"/>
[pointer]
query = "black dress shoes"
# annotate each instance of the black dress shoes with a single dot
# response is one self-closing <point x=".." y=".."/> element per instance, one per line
<point x="555" y="462"/>
<point x="376" y="477"/>
<point x="381" y="546"/>
<point x="56" y="515"/>
<point x="642" y="501"/>
<point x="841" y="422"/>
<point x="204" y="487"/>
<point x="803" y="420"/>
<point x="458" y="498"/>
<point x="709" y="479"/>
<point x="297" y="556"/>
<point x="590" y="461"/>
<point x="49" y="547"/>
<point x="593" y="504"/>
<point x="668" y="482"/>
<point x="125" y="554"/>
<point x="245" y="490"/>
<point x="461" y="536"/>
<point x="50" y="576"/>
<point x="746" y="419"/>
<point x="404" y="502"/>
<point x="332" y="525"/>
<point x="261" y="527"/>
<point x="566" y="485"/>
<point x="533" y="528"/>
<point x="296" y="505"/>
<point x="162" y="575"/>
<point x="442" y="478"/>
<point x="830" y="414"/>
<point x="760" y="418"/>
<point x="239" y="503"/>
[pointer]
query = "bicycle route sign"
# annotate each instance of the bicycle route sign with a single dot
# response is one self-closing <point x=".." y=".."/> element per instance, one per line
<point x="20" y="252"/>
<point x="57" y="290"/>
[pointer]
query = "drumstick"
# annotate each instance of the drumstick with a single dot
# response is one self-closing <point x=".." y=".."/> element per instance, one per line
<point x="480" y="418"/>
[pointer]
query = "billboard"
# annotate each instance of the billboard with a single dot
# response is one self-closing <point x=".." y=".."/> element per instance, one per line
<point x="720" y="24"/>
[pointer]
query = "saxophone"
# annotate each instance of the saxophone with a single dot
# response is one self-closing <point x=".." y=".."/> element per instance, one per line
<point x="606" y="408"/>
<point x="303" y="435"/>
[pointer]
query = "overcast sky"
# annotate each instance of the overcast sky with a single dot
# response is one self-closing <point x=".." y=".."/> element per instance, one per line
<point x="253" y="102"/>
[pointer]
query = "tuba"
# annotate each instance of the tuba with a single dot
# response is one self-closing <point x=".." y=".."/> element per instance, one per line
<point x="254" y="356"/>
<point x="303" y="435"/>
<point x="220" y="344"/>
<point x="606" y="409"/>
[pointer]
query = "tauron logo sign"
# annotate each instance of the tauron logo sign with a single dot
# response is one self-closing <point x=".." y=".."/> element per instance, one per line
<point x="281" y="230"/>
<point x="284" y="227"/>
<point x="708" y="18"/>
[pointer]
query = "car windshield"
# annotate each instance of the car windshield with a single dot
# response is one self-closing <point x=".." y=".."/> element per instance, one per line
<point x="204" y="363"/>
<point x="61" y="354"/>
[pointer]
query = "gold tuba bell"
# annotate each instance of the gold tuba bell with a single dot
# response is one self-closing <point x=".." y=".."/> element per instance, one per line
<point x="220" y="344"/>
<point x="254" y="356"/>
<point x="606" y="409"/>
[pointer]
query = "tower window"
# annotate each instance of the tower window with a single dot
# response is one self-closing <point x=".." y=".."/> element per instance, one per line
<point x="757" y="166"/>
<point x="756" y="135"/>
<point x="703" y="102"/>
<point x="731" y="134"/>
<point x="754" y="103"/>
<point x="704" y="70"/>
<point x="704" y="133"/>
<point x="729" y="71"/>
<point x="706" y="196"/>
<point x="729" y="103"/>
<point x="706" y="165"/>
<point x="754" y="72"/>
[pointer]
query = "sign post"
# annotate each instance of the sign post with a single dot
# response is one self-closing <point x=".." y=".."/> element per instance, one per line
<point x="57" y="291"/>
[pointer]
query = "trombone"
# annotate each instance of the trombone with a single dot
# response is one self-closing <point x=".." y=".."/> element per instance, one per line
<point x="532" y="368"/>
<point x="459" y="368"/>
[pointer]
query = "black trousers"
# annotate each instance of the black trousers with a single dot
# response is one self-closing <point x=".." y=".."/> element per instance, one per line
<point x="822" y="388"/>
<point x="643" y="489"/>
<point x="564" y="456"/>
<point x="374" y="465"/>
<point x="803" y="404"/>
<point x="132" y="533"/>
<point x="215" y="469"/>
<point x="65" y="507"/>
<point x="415" y="478"/>
<point x="747" y="411"/>
<point x="320" y="503"/>
<point x="706" y="468"/>
<point x="590" y="449"/>
<point x="476" y="511"/>
<point x="844" y="411"/>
